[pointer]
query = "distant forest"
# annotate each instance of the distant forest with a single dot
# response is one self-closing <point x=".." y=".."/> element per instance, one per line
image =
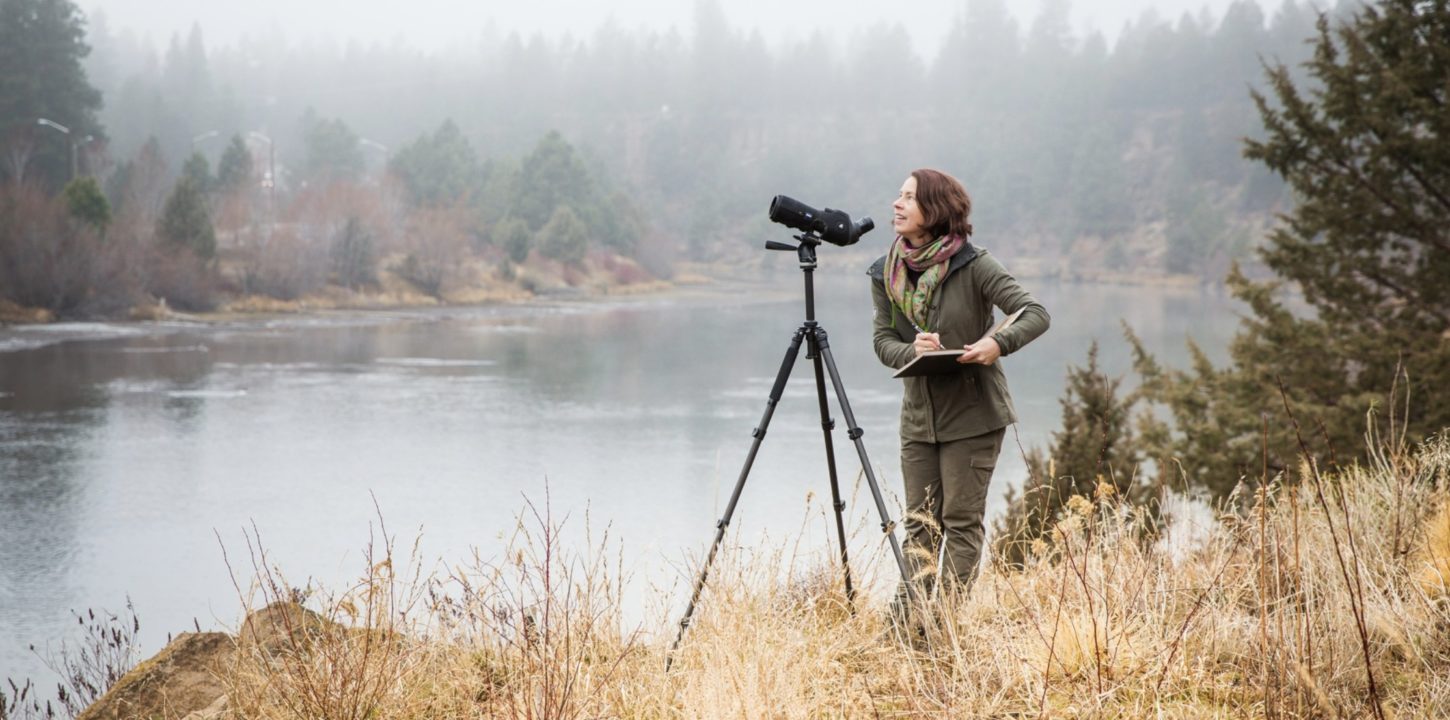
<point x="1084" y="158"/>
<point x="1066" y="143"/>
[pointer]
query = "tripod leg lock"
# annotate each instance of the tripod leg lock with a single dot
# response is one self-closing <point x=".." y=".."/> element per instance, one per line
<point x="829" y="424"/>
<point x="888" y="527"/>
<point x="855" y="433"/>
<point x="840" y="506"/>
<point x="757" y="433"/>
<point x="721" y="524"/>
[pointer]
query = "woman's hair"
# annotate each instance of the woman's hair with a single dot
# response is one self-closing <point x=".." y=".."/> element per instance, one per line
<point x="945" y="204"/>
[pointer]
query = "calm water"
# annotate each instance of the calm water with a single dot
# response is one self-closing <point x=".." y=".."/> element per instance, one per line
<point x="127" y="451"/>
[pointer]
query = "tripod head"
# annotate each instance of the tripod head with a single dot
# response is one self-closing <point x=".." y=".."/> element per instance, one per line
<point x="806" y="250"/>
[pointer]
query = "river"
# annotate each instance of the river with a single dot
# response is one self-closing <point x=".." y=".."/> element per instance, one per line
<point x="132" y="454"/>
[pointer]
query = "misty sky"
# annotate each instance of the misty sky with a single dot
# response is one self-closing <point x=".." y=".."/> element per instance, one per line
<point x="434" y="24"/>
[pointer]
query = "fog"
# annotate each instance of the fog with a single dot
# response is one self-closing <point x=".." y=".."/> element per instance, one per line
<point x="433" y="24"/>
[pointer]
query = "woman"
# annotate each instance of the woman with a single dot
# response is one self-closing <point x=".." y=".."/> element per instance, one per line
<point x="933" y="290"/>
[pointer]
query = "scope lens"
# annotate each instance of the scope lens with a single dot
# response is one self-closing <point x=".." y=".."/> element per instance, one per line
<point x="793" y="213"/>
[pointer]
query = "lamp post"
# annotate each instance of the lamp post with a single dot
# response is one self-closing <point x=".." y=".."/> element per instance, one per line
<point x="83" y="141"/>
<point x="66" y="131"/>
<point x="204" y="136"/>
<point x="271" y="175"/>
<point x="381" y="148"/>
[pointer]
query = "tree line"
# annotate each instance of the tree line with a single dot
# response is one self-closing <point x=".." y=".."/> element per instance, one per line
<point x="1115" y="152"/>
<point x="1080" y="154"/>
<point x="86" y="230"/>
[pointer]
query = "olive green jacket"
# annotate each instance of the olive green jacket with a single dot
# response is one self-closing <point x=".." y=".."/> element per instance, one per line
<point x="941" y="408"/>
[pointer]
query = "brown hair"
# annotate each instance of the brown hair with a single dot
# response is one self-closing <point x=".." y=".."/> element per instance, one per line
<point x="945" y="204"/>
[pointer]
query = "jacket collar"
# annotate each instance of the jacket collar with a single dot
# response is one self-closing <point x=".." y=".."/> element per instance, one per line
<point x="968" y="253"/>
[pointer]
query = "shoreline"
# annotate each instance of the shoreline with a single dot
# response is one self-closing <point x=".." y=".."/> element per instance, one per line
<point x="720" y="277"/>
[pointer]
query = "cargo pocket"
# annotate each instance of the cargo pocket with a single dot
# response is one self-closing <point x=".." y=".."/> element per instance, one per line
<point x="989" y="447"/>
<point x="984" y="458"/>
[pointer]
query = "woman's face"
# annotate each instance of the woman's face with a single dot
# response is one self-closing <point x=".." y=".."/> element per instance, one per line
<point x="906" y="214"/>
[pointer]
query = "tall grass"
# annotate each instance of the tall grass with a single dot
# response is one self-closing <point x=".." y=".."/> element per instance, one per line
<point x="1328" y="598"/>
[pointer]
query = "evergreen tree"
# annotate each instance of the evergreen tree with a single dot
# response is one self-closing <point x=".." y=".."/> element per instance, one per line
<point x="515" y="237"/>
<point x="85" y="202"/>
<point x="439" y="169"/>
<point x="334" y="152"/>
<point x="234" y="169"/>
<point x="552" y="176"/>
<point x="1367" y="152"/>
<point x="186" y="222"/>
<point x="564" y="237"/>
<point x="197" y="170"/>
<point x="42" y="43"/>
<point x="1093" y="454"/>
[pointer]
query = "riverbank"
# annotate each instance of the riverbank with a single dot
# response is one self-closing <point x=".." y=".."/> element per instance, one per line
<point x="604" y="276"/>
<point x="475" y="284"/>
<point x="1326" y="597"/>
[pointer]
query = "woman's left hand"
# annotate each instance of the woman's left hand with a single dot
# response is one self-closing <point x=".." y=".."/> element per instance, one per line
<point x="985" y="352"/>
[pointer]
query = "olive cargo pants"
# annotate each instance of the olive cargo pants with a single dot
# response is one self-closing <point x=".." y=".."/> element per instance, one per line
<point x="947" y="482"/>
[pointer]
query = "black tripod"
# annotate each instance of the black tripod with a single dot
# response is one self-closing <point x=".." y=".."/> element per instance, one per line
<point x="818" y="350"/>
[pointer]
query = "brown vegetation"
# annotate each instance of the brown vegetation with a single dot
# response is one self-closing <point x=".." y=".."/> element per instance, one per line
<point x="1325" y="599"/>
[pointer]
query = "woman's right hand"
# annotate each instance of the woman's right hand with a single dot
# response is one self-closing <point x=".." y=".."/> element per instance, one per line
<point x="926" y="342"/>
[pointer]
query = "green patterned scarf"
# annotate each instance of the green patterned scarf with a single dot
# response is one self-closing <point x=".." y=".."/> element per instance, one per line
<point x="931" y="261"/>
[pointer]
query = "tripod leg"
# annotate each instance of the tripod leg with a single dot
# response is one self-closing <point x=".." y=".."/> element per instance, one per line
<point x="839" y="505"/>
<point x="759" y="434"/>
<point x="855" y="432"/>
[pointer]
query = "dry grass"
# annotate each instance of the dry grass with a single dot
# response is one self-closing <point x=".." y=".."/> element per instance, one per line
<point x="1326" y="600"/>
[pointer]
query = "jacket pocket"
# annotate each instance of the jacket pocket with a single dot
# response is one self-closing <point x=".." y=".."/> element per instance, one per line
<point x="957" y="391"/>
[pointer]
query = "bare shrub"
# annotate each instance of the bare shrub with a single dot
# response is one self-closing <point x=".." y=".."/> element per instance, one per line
<point x="354" y="255"/>
<point x="181" y="279"/>
<point x="50" y="260"/>
<point x="623" y="270"/>
<point x="287" y="266"/>
<point x="435" y="246"/>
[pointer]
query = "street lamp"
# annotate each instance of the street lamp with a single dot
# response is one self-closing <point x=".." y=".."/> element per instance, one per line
<point x="271" y="156"/>
<point x="66" y="131"/>
<point x="381" y="148"/>
<point x="271" y="173"/>
<point x="83" y="141"/>
<point x="204" y="136"/>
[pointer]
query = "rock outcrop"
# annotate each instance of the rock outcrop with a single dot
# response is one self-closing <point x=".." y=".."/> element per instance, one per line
<point x="180" y="681"/>
<point x="183" y="681"/>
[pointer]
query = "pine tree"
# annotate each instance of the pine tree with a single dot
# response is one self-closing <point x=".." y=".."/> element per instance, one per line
<point x="564" y="237"/>
<point x="514" y="234"/>
<point x="552" y="176"/>
<point x="1367" y="153"/>
<point x="186" y="222"/>
<point x="439" y="170"/>
<point x="334" y="152"/>
<point x="234" y="169"/>
<point x="1092" y="455"/>
<point x="86" y="203"/>
<point x="42" y="43"/>
<point x="197" y="170"/>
